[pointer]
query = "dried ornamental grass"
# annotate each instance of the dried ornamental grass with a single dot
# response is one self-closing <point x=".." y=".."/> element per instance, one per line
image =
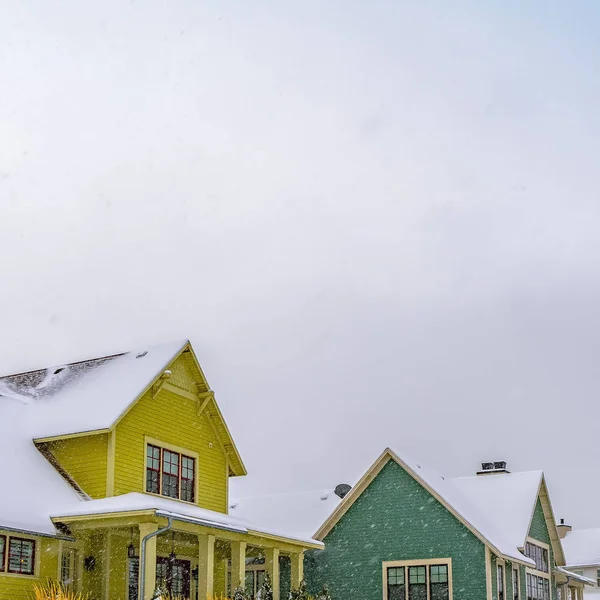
<point x="52" y="590"/>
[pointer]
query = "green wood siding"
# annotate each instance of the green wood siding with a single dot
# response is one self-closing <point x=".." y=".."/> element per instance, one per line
<point x="538" y="530"/>
<point x="395" y="518"/>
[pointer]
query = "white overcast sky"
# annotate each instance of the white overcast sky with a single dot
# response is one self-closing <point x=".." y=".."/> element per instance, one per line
<point x="378" y="222"/>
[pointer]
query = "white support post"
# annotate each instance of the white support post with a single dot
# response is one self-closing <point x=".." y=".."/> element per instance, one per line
<point x="206" y="566"/>
<point x="238" y="565"/>
<point x="272" y="567"/>
<point x="297" y="560"/>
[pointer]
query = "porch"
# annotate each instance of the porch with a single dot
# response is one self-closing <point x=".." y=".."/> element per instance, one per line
<point x="184" y="558"/>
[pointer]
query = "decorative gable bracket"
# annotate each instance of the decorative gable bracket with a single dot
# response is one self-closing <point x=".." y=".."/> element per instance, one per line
<point x="160" y="382"/>
<point x="203" y="399"/>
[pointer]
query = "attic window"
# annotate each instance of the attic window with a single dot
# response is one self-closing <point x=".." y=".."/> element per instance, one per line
<point x="170" y="473"/>
<point x="539" y="555"/>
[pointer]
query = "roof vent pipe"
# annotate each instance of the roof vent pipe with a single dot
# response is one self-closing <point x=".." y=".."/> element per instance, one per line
<point x="342" y="489"/>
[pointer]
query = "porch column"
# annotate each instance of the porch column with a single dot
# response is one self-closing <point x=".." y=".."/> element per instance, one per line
<point x="206" y="565"/>
<point x="238" y="565"/>
<point x="297" y="560"/>
<point x="149" y="572"/>
<point x="272" y="567"/>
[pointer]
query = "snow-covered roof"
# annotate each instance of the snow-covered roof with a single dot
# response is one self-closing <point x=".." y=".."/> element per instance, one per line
<point x="576" y="576"/>
<point x="136" y="502"/>
<point x="498" y="507"/>
<point x="582" y="547"/>
<point x="84" y="396"/>
<point x="300" y="513"/>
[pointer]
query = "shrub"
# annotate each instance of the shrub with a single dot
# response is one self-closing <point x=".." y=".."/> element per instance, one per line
<point x="52" y="590"/>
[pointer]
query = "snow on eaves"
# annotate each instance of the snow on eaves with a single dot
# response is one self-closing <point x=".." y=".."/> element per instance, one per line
<point x="499" y="507"/>
<point x="299" y="513"/>
<point x="576" y="576"/>
<point x="87" y="395"/>
<point x="134" y="502"/>
<point x="582" y="547"/>
<point x="59" y="400"/>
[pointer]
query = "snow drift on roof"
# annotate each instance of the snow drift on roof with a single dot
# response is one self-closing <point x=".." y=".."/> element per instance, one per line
<point x="499" y="507"/>
<point x="87" y="395"/>
<point x="141" y="502"/>
<point x="79" y="397"/>
<point x="300" y="514"/>
<point x="582" y="547"/>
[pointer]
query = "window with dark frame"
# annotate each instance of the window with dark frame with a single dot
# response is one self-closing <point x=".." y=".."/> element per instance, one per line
<point x="500" y="582"/>
<point x="21" y="556"/>
<point x="438" y="582"/>
<point x="2" y="552"/>
<point x="515" y="584"/>
<point x="133" y="569"/>
<point x="170" y="473"/>
<point x="539" y="555"/>
<point x="396" y="583"/>
<point x="538" y="588"/>
<point x="418" y="582"/>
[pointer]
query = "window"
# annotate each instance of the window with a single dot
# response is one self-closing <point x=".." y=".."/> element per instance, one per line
<point x="417" y="583"/>
<point x="396" y="583"/>
<point x="500" y="581"/>
<point x="133" y="572"/>
<point x="538" y="588"/>
<point x="2" y="552"/>
<point x="597" y="575"/>
<point x="67" y="568"/>
<point x="170" y="473"/>
<point x="539" y="555"/>
<point x="21" y="556"/>
<point x="515" y="584"/>
<point x="438" y="578"/>
<point x="429" y="581"/>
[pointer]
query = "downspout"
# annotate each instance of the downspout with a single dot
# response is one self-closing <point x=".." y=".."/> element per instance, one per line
<point x="143" y="556"/>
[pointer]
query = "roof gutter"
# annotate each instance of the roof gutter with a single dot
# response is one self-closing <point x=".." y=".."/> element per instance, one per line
<point x="206" y="523"/>
<point x="52" y="536"/>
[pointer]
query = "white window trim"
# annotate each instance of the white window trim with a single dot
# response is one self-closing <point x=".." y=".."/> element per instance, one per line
<point x="424" y="562"/>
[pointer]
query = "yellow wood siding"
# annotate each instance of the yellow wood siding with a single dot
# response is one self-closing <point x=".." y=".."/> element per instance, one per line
<point x="84" y="458"/>
<point x="182" y="376"/>
<point x="20" y="587"/>
<point x="92" y="581"/>
<point x="173" y="420"/>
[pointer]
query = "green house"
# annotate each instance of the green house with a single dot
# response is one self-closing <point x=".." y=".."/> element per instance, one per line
<point x="405" y="532"/>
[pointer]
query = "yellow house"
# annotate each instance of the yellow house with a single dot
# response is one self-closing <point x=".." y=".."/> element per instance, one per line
<point x="116" y="482"/>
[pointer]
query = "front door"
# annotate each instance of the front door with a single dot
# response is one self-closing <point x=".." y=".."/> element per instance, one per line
<point x="173" y="576"/>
